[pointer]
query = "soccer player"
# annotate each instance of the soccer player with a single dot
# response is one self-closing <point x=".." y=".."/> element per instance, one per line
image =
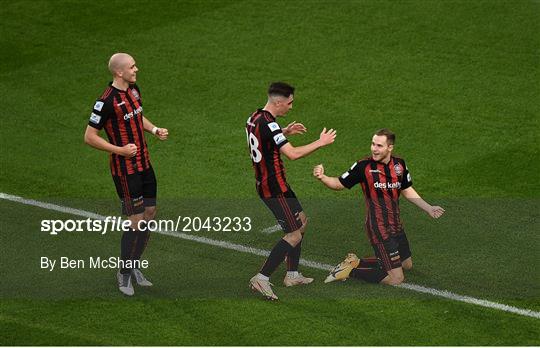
<point x="383" y="178"/>
<point x="267" y="141"/>
<point x="120" y="112"/>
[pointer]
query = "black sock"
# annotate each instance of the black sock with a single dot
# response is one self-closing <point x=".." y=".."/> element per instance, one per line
<point x="142" y="240"/>
<point x="370" y="275"/>
<point x="293" y="258"/>
<point x="368" y="262"/>
<point x="277" y="255"/>
<point x="127" y="247"/>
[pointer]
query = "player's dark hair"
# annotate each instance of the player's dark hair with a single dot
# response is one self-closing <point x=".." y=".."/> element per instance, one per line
<point x="281" y="89"/>
<point x="390" y="136"/>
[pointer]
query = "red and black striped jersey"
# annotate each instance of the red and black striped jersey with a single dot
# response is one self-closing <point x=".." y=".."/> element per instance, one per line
<point x="265" y="138"/>
<point x="382" y="185"/>
<point x="120" y="113"/>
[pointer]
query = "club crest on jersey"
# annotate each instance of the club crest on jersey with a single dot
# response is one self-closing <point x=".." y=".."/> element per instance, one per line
<point x="398" y="168"/>
<point x="135" y="93"/>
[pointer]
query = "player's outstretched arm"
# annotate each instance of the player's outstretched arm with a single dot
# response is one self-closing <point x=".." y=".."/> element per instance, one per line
<point x="161" y="133"/>
<point x="92" y="138"/>
<point x="294" y="153"/>
<point x="432" y="210"/>
<point x="329" y="181"/>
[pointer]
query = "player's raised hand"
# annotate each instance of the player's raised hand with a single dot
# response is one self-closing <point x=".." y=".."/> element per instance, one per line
<point x="162" y="133"/>
<point x="294" y="128"/>
<point x="327" y="137"/>
<point x="318" y="171"/>
<point x="436" y="211"/>
<point x="128" y="150"/>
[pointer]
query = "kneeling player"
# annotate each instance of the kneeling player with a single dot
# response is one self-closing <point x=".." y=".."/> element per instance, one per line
<point x="383" y="178"/>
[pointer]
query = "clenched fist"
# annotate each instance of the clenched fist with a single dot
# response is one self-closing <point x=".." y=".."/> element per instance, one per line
<point x="318" y="171"/>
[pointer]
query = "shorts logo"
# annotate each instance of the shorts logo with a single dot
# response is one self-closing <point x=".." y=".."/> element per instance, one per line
<point x="98" y="106"/>
<point x="138" y="201"/>
<point x="279" y="138"/>
<point x="135" y="93"/>
<point x="95" y="118"/>
<point x="398" y="169"/>
<point x="273" y="126"/>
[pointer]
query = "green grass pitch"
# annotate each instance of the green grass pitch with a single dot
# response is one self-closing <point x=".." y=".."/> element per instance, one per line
<point x="456" y="80"/>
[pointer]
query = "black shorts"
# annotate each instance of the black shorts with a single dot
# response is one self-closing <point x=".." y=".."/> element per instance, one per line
<point x="286" y="208"/>
<point x="403" y="246"/>
<point x="136" y="191"/>
<point x="392" y="251"/>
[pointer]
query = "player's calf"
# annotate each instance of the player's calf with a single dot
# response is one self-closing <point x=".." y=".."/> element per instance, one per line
<point x="394" y="277"/>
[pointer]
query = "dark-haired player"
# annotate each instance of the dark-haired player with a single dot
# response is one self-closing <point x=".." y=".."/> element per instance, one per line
<point x="120" y="112"/>
<point x="267" y="141"/>
<point x="383" y="178"/>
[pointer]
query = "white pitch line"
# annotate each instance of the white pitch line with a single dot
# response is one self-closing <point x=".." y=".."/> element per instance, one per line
<point x="260" y="252"/>
<point x="271" y="229"/>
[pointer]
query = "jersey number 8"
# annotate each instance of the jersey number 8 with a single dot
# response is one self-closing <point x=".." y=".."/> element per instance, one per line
<point x="253" y="144"/>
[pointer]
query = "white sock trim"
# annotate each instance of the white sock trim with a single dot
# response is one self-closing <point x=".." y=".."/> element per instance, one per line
<point x="263" y="277"/>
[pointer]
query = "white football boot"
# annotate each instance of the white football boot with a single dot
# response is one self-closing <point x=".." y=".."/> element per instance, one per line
<point x="298" y="279"/>
<point x="343" y="269"/>
<point x="264" y="287"/>
<point x="140" y="278"/>
<point x="124" y="284"/>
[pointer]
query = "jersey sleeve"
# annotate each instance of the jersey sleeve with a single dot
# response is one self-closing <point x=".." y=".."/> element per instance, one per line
<point x="406" y="180"/>
<point x="100" y="114"/>
<point x="271" y="131"/>
<point x="353" y="176"/>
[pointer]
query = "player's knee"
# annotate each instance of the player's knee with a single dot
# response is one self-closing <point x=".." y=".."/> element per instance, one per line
<point x="397" y="279"/>
<point x="293" y="238"/>
<point x="297" y="236"/>
<point x="136" y="221"/>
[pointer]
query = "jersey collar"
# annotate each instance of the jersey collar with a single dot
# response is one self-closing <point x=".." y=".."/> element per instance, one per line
<point x="119" y="90"/>
<point x="269" y="113"/>
<point x="384" y="164"/>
